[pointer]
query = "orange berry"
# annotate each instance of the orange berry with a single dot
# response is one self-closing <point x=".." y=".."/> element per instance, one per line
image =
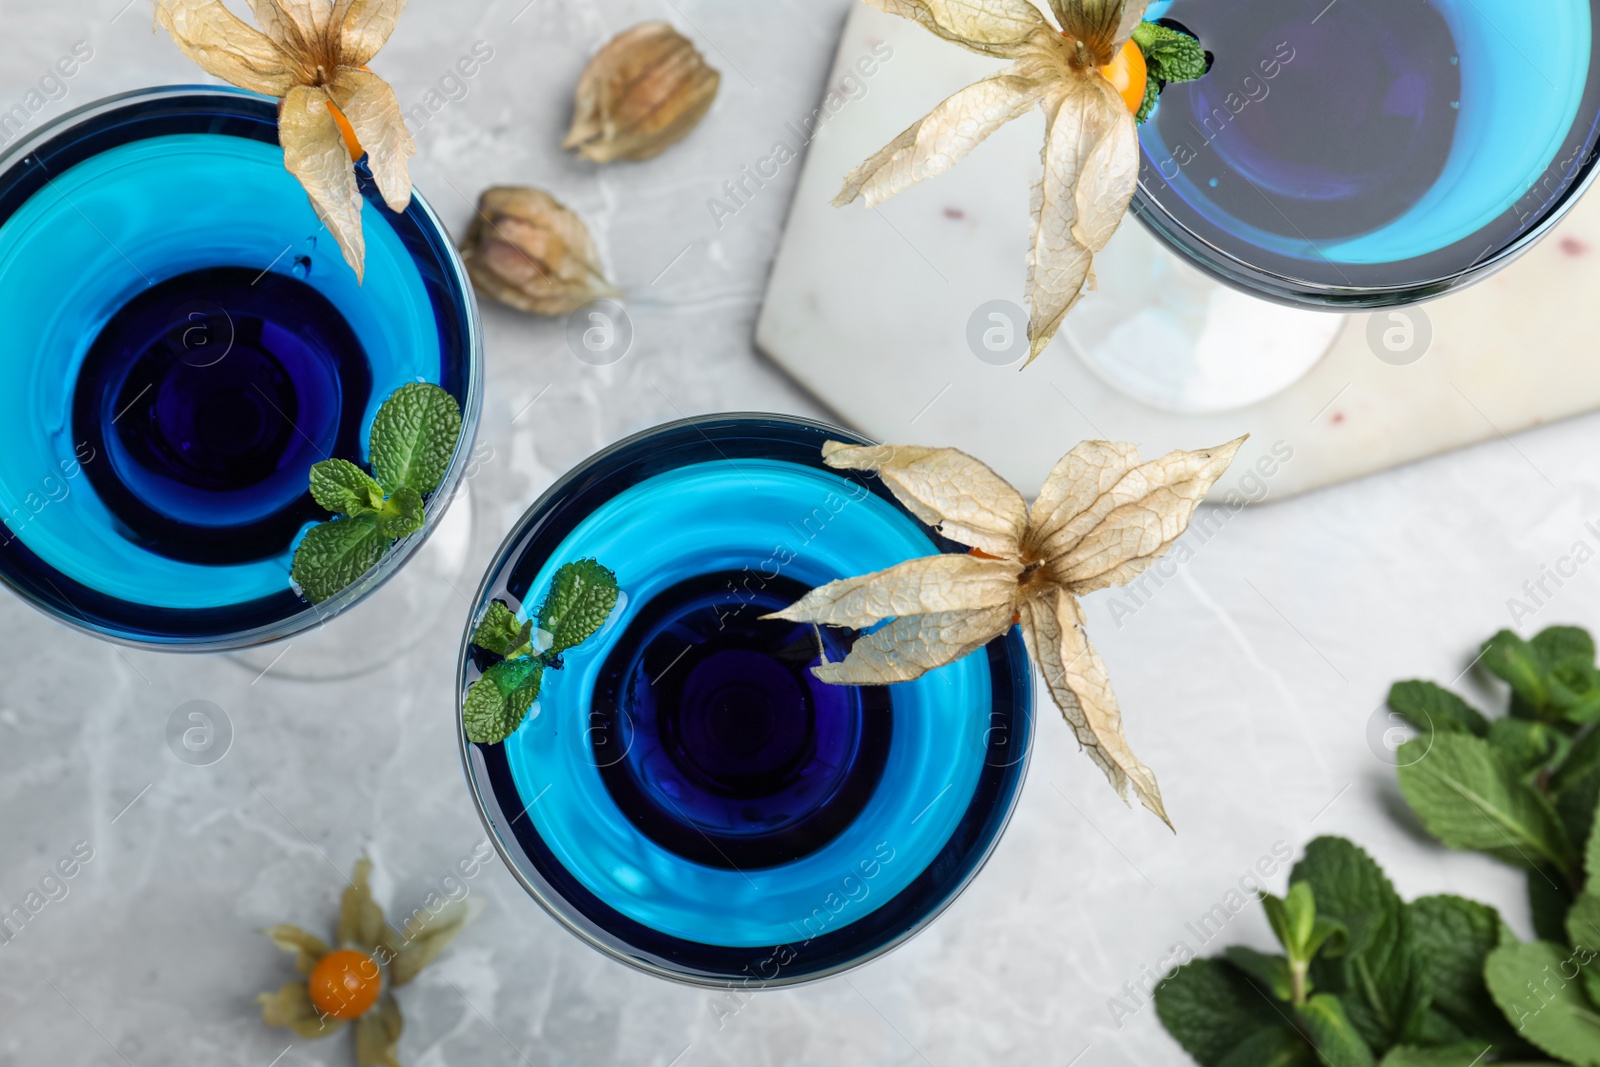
<point x="352" y="143"/>
<point x="344" y="984"/>
<point x="1129" y="75"/>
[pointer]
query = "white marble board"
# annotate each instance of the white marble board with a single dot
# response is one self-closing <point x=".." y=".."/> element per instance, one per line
<point x="869" y="310"/>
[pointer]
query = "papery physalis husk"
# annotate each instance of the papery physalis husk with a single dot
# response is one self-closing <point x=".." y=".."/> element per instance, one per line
<point x="525" y="249"/>
<point x="313" y="55"/>
<point x="643" y="93"/>
<point x="1091" y="151"/>
<point x="361" y="926"/>
<point x="1101" y="519"/>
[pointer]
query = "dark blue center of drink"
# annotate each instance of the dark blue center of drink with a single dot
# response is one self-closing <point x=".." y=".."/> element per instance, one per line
<point x="715" y="739"/>
<point x="1353" y="128"/>
<point x="213" y="394"/>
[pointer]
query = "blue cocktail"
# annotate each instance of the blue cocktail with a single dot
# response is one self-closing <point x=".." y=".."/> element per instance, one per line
<point x="1371" y="152"/>
<point x="186" y="341"/>
<point x="686" y="795"/>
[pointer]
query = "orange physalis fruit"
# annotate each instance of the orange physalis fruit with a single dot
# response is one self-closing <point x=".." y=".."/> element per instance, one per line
<point x="352" y="143"/>
<point x="1128" y="74"/>
<point x="344" y="984"/>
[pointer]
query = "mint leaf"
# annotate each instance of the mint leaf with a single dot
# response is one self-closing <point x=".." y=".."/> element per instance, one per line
<point x="1529" y="982"/>
<point x="1509" y="657"/>
<point x="334" y="555"/>
<point x="497" y="703"/>
<point x="1583" y="922"/>
<point x="1430" y="707"/>
<point x="1527" y="746"/>
<point x="1210" y="1009"/>
<point x="1549" y="902"/>
<point x="1379" y="974"/>
<point x="1455" y="937"/>
<point x="1564" y="646"/>
<point x="1284" y="927"/>
<point x="487" y="714"/>
<point x="1591" y="856"/>
<point x="1583" y="929"/>
<point x="514" y="674"/>
<point x="1581" y="760"/>
<point x="1170" y="55"/>
<point x="1470" y="798"/>
<point x="581" y="598"/>
<point x="1463" y="1055"/>
<point x="500" y="632"/>
<point x="414" y="438"/>
<point x="1575" y="692"/>
<point x="1278" y="1047"/>
<point x="1332" y="1034"/>
<point x="1576" y="805"/>
<point x="344" y="488"/>
<point x="1152" y="97"/>
<point x="1269" y="972"/>
<point x="520" y="702"/>
<point x="401" y="515"/>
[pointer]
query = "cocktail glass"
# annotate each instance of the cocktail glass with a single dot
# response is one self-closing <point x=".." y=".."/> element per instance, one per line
<point x="1341" y="156"/>
<point x="185" y="342"/>
<point x="685" y="795"/>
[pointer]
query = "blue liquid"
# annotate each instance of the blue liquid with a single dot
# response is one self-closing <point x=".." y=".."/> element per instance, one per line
<point x="686" y="792"/>
<point x="136" y="245"/>
<point x="715" y="739"/>
<point x="210" y="396"/>
<point x="1374" y="143"/>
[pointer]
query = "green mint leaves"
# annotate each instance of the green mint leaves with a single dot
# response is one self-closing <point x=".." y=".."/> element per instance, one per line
<point x="334" y="556"/>
<point x="500" y="632"/>
<point x="582" y="597"/>
<point x="580" y="601"/>
<point x="1169" y="56"/>
<point x="413" y="439"/>
<point x="1365" y="978"/>
<point x="1553" y="1012"/>
<point x="344" y="488"/>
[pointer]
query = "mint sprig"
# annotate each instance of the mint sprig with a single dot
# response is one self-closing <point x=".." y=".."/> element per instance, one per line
<point x="1366" y="978"/>
<point x="582" y="597"/>
<point x="1169" y="56"/>
<point x="413" y="439"/>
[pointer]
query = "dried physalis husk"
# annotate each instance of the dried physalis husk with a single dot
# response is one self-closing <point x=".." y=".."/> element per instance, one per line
<point x="641" y="95"/>
<point x="527" y="250"/>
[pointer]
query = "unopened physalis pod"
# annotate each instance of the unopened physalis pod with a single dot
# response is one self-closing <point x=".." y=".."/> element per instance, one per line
<point x="1101" y="520"/>
<point x="312" y="55"/>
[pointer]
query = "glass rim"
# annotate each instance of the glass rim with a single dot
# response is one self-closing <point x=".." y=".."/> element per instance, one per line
<point x="552" y="902"/>
<point x="311" y="616"/>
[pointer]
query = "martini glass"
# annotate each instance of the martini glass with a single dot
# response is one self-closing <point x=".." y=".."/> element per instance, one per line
<point x="685" y="795"/>
<point x="1340" y="156"/>
<point x="186" y="342"/>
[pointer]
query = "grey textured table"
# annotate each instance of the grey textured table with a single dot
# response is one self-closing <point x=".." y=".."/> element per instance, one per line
<point x="1249" y="680"/>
